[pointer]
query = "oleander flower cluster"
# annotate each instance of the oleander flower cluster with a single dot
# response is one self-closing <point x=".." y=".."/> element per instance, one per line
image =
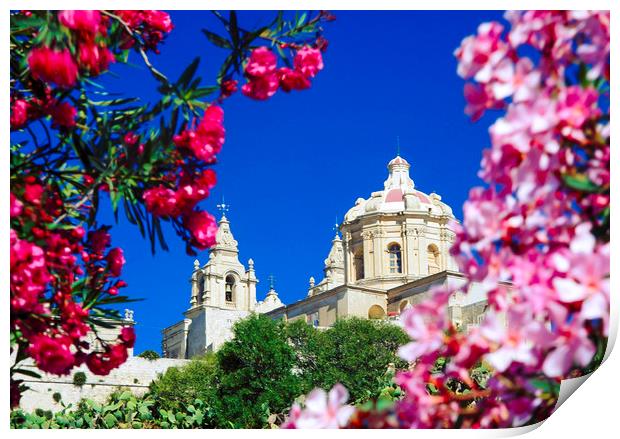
<point x="535" y="238"/>
<point x="75" y="145"/>
<point x="50" y="269"/>
<point x="264" y="78"/>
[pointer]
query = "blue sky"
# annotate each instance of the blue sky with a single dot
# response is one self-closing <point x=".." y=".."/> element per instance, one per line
<point x="293" y="164"/>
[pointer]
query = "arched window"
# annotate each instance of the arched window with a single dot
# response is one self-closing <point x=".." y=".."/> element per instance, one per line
<point x="433" y="257"/>
<point x="230" y="289"/>
<point x="376" y="312"/>
<point x="358" y="264"/>
<point x="395" y="258"/>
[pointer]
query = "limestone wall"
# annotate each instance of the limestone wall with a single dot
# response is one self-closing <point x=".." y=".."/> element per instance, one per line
<point x="135" y="374"/>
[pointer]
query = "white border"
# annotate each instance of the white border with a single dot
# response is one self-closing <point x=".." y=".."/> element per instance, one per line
<point x="593" y="409"/>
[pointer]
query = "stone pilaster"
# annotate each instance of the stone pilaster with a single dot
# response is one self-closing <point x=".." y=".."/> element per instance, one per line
<point x="422" y="252"/>
<point x="369" y="254"/>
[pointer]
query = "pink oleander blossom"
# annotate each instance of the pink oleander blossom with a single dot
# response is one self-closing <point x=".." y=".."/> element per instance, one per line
<point x="262" y="87"/>
<point x="308" y="61"/>
<point x="479" y="55"/>
<point x="52" y="65"/>
<point x="571" y="345"/>
<point x="426" y="337"/>
<point x="262" y="62"/>
<point x="517" y="339"/>
<point x="85" y="21"/>
<point x="322" y="410"/>
<point x="202" y="227"/>
<point x="116" y="260"/>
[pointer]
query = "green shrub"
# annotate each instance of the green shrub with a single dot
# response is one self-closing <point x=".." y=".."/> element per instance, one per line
<point x="123" y="410"/>
<point x="178" y="385"/>
<point x="255" y="374"/>
<point x="79" y="379"/>
<point x="149" y="355"/>
<point x="355" y="352"/>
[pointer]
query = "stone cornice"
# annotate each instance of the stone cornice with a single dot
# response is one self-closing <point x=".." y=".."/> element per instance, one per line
<point x="324" y="295"/>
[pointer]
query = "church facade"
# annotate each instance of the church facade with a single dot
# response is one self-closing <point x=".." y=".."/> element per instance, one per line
<point x="394" y="248"/>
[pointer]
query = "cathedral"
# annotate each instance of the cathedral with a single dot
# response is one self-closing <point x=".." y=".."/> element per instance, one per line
<point x="394" y="248"/>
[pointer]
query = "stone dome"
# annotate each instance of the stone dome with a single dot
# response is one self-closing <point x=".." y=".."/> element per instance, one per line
<point x="398" y="195"/>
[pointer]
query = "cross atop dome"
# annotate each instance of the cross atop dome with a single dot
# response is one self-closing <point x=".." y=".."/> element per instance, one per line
<point x="272" y="282"/>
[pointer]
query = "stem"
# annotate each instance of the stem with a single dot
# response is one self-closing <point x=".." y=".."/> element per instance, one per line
<point x="77" y="205"/>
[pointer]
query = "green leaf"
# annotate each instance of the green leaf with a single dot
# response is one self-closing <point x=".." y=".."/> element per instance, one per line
<point x="110" y="420"/>
<point x="188" y="73"/>
<point x="233" y="28"/>
<point x="580" y="182"/>
<point x="216" y="39"/>
<point x="27" y="372"/>
<point x="302" y="19"/>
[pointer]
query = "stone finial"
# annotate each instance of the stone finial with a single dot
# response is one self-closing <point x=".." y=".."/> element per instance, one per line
<point x="311" y="281"/>
<point x="196" y="264"/>
<point x="129" y="315"/>
<point x="251" y="264"/>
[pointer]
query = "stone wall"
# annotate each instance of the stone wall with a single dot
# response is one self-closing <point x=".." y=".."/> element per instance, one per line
<point x="135" y="374"/>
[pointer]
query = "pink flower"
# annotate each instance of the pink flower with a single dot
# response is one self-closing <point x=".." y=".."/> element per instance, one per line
<point x="161" y="201"/>
<point x="575" y="106"/>
<point x="479" y="55"/>
<point x="52" y="355"/>
<point x="587" y="269"/>
<point x="94" y="58"/>
<point x="33" y="193"/>
<point x="86" y="21"/>
<point x="158" y="20"/>
<point x="261" y="88"/>
<point x="116" y="260"/>
<point x="99" y="240"/>
<point x="427" y="337"/>
<point x="595" y="49"/>
<point x="51" y="65"/>
<point x="19" y="113"/>
<point x="63" y="115"/>
<point x="131" y="138"/>
<point x="478" y="101"/>
<point x="292" y="80"/>
<point x="262" y="62"/>
<point x="524" y="121"/>
<point x="101" y="363"/>
<point x="128" y="336"/>
<point x="572" y="344"/>
<point x="228" y="87"/>
<point x="208" y="138"/>
<point x="202" y="227"/>
<point x="517" y="341"/>
<point x="322" y="410"/>
<point x="16" y="206"/>
<point x="308" y="61"/>
<point x="520" y="80"/>
<point x="29" y="276"/>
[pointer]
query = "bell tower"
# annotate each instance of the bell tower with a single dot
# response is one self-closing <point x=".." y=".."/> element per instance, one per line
<point x="222" y="291"/>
